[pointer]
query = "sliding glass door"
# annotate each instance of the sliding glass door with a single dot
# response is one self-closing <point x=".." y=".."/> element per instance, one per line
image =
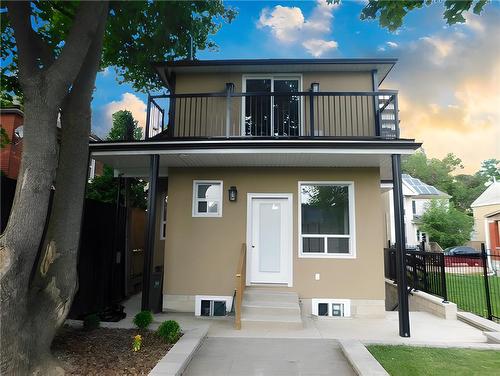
<point x="270" y="109"/>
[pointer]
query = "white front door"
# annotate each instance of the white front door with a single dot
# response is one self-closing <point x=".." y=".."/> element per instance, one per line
<point x="270" y="246"/>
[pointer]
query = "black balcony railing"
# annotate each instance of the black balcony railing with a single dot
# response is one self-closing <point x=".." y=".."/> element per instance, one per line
<point x="279" y="114"/>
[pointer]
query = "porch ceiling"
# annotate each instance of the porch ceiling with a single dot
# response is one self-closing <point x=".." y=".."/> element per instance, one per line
<point x="136" y="163"/>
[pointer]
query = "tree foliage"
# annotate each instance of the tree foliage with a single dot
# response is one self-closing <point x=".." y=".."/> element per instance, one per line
<point x="105" y="187"/>
<point x="445" y="224"/>
<point x="125" y="127"/>
<point x="441" y="173"/>
<point x="137" y="33"/>
<point x="391" y="13"/>
<point x="4" y="138"/>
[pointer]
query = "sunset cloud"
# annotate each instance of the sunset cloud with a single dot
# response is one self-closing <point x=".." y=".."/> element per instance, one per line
<point x="450" y="90"/>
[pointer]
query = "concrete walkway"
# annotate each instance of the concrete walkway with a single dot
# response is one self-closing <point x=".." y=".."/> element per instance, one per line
<point x="268" y="356"/>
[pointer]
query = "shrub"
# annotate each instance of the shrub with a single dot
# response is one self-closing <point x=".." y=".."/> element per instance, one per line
<point x="91" y="322"/>
<point x="169" y="331"/>
<point x="143" y="319"/>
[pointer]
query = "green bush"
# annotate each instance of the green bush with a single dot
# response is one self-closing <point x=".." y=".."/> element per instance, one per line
<point x="169" y="331"/>
<point x="91" y="322"/>
<point x="143" y="319"/>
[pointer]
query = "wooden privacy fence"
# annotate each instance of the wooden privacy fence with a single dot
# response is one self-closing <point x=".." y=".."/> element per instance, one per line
<point x="240" y="285"/>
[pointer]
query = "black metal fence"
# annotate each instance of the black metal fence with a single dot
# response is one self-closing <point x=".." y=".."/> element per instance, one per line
<point x="470" y="281"/>
<point x="424" y="271"/>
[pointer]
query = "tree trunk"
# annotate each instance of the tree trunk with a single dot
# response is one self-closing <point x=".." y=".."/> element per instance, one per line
<point x="36" y="293"/>
<point x="21" y="239"/>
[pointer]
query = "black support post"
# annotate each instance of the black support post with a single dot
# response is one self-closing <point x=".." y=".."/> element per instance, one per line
<point x="150" y="232"/>
<point x="404" y="317"/>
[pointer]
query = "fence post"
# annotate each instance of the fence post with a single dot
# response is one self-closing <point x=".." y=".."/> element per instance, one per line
<point x="486" y="281"/>
<point x="443" y="278"/>
<point x="415" y="276"/>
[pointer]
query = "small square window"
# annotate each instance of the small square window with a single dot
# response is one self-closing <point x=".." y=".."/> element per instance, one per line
<point x="219" y="308"/>
<point x="322" y="309"/>
<point x="207" y="198"/>
<point x="337" y="309"/>
<point x="205" y="307"/>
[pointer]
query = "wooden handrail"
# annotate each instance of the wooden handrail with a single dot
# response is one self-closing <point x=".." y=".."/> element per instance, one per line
<point x="240" y="285"/>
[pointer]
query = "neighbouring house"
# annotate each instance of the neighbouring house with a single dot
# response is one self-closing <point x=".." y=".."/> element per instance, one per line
<point x="11" y="121"/>
<point x="417" y="197"/>
<point x="486" y="212"/>
<point x="279" y="162"/>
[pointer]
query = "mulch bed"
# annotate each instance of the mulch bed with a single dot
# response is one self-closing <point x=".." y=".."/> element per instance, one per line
<point x="107" y="351"/>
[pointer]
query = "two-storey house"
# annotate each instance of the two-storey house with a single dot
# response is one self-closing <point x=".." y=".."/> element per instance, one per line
<point x="272" y="169"/>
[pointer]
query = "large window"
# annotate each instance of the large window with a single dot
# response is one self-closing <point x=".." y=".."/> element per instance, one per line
<point x="207" y="198"/>
<point x="326" y="219"/>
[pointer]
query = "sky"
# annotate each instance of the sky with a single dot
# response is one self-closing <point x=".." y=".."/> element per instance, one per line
<point x="448" y="77"/>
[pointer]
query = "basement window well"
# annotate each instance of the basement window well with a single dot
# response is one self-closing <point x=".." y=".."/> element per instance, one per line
<point x="212" y="305"/>
<point x="331" y="307"/>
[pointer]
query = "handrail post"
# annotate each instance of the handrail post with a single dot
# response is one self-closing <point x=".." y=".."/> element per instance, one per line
<point x="229" y="91"/>
<point x="314" y="89"/>
<point x="396" y="115"/>
<point x="376" y="112"/>
<point x="148" y="117"/>
<point x="484" y="258"/>
<point x="443" y="278"/>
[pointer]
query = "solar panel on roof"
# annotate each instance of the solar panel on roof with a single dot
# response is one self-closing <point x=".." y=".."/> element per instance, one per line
<point x="419" y="186"/>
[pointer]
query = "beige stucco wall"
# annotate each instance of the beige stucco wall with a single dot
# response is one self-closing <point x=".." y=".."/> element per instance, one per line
<point x="479" y="213"/>
<point x="201" y="253"/>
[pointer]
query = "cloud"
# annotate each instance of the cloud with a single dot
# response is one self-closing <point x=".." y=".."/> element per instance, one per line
<point x="317" y="47"/>
<point x="392" y="44"/>
<point x="102" y="121"/>
<point x="289" y="26"/>
<point x="449" y="85"/>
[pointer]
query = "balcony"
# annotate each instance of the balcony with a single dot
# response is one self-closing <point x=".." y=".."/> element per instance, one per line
<point x="312" y="115"/>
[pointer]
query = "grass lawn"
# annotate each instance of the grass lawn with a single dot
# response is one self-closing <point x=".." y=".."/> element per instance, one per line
<point x="413" y="361"/>
<point x="467" y="291"/>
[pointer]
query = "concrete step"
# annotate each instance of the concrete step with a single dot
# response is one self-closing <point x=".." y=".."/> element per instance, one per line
<point x="253" y="294"/>
<point x="267" y="307"/>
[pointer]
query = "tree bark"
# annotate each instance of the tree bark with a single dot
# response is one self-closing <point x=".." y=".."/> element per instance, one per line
<point x="31" y="309"/>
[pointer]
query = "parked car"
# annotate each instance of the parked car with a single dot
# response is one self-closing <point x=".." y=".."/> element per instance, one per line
<point x="461" y="250"/>
<point x="462" y="256"/>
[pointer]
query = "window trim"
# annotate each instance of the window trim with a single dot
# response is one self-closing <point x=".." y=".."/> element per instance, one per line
<point x="271" y="76"/>
<point x="199" y="298"/>
<point x="352" y="223"/>
<point x="195" y="199"/>
<point x="345" y="302"/>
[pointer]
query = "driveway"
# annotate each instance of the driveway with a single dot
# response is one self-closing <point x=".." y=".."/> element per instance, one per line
<point x="268" y="356"/>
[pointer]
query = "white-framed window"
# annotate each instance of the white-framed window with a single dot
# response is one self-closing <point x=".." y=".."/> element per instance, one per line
<point x="326" y="219"/>
<point x="331" y="307"/>
<point x="163" y="222"/>
<point x="92" y="170"/>
<point x="207" y="198"/>
<point x="212" y="305"/>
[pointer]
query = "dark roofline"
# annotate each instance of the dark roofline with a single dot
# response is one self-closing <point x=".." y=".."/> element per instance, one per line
<point x="157" y="65"/>
<point x="207" y="63"/>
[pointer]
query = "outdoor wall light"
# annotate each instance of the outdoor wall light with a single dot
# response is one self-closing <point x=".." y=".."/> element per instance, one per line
<point x="315" y="87"/>
<point x="233" y="193"/>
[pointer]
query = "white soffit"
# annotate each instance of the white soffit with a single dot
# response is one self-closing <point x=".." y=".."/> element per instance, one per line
<point x="138" y="164"/>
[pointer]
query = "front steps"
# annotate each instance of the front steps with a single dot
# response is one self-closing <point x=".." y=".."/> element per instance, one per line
<point x="264" y="307"/>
